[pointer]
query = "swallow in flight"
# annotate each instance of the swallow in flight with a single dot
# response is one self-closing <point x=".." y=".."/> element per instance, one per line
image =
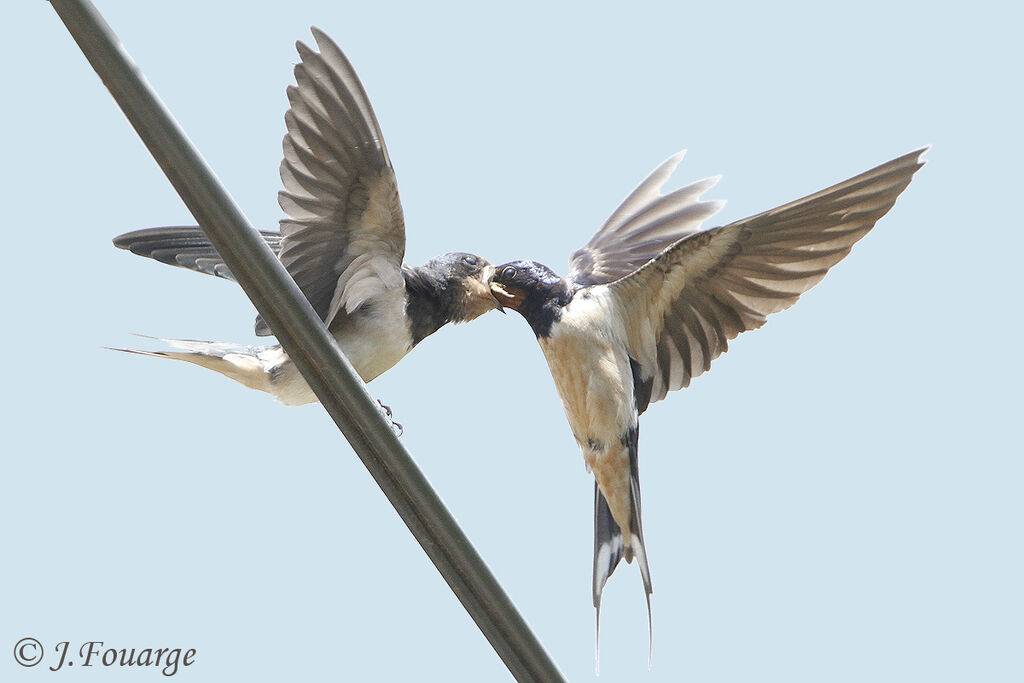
<point x="653" y="298"/>
<point x="343" y="242"/>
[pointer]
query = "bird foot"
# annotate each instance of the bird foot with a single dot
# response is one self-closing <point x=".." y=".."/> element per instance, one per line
<point x="399" y="430"/>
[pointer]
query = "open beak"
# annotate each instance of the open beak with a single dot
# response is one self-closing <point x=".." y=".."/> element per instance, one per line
<point x="487" y="278"/>
<point x="503" y="296"/>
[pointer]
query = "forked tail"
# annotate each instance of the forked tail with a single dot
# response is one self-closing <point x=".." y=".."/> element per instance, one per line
<point x="611" y="545"/>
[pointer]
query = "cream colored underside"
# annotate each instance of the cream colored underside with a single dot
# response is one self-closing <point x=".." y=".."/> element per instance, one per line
<point x="594" y="381"/>
<point x="368" y="342"/>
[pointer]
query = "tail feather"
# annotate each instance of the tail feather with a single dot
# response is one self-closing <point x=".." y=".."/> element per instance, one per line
<point x="611" y="545"/>
<point x="608" y="548"/>
<point x="608" y="544"/>
<point x="640" y="551"/>
<point x="252" y="366"/>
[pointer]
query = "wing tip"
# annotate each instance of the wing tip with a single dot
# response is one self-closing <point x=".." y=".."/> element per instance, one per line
<point x="677" y="157"/>
<point x="912" y="159"/>
<point x="322" y="39"/>
<point x="919" y="153"/>
<point x="665" y="169"/>
<point x="135" y="241"/>
<point x="300" y="47"/>
<point x="714" y="205"/>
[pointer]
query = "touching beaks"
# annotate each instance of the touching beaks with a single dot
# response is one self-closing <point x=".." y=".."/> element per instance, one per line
<point x="487" y="278"/>
<point x="502" y="296"/>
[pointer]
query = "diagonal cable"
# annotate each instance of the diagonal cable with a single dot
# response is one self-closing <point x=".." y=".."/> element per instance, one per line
<point x="308" y="344"/>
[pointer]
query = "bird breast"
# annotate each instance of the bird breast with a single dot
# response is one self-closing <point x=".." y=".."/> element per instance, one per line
<point x="376" y="336"/>
<point x="591" y="370"/>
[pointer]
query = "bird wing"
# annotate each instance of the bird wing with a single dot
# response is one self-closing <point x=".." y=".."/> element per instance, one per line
<point x="680" y="309"/>
<point x="643" y="226"/>
<point x="343" y="240"/>
<point x="184" y="246"/>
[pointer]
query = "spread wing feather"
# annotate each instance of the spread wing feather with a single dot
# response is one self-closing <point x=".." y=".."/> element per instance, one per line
<point x="343" y="239"/>
<point x="344" y="235"/>
<point x="681" y="308"/>
<point x="184" y="246"/>
<point x="643" y="226"/>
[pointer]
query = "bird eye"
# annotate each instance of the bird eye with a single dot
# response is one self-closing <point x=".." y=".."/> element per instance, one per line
<point x="470" y="260"/>
<point x="508" y="273"/>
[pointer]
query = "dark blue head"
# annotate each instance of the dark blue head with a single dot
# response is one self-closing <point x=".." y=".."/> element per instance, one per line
<point x="533" y="289"/>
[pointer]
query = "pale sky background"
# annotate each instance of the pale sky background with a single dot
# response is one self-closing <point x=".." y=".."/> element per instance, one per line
<point x="839" y="499"/>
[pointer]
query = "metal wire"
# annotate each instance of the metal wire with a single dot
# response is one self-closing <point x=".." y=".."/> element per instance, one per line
<point x="304" y="337"/>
